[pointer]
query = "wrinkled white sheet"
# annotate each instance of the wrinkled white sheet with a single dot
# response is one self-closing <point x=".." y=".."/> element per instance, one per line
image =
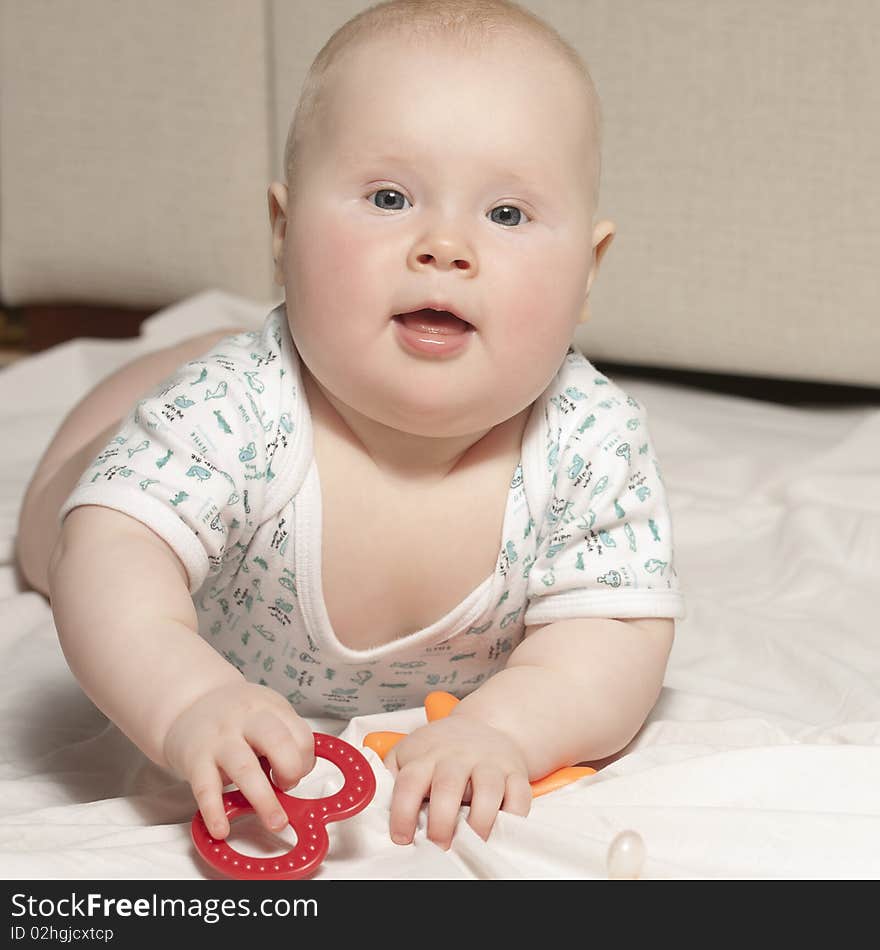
<point x="761" y="759"/>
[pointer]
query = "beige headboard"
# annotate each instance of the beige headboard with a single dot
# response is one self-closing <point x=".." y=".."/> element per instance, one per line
<point x="741" y="157"/>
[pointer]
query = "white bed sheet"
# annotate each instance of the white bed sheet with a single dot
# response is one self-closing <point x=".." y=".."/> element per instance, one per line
<point x="761" y="759"/>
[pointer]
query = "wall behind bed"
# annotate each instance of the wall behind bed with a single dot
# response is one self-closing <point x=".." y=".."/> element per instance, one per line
<point x="741" y="148"/>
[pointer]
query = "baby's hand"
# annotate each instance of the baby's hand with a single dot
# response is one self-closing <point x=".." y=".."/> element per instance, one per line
<point x="219" y="739"/>
<point x="455" y="760"/>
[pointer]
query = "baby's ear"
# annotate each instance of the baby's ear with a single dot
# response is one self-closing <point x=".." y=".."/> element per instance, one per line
<point x="603" y="235"/>
<point x="277" y="198"/>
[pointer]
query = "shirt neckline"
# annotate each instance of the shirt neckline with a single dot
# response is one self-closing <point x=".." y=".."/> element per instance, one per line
<point x="309" y="559"/>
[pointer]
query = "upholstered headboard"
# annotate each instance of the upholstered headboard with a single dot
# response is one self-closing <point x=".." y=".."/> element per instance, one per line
<point x="741" y="149"/>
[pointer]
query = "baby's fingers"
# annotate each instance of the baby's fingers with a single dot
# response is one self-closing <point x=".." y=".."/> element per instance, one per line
<point x="518" y="796"/>
<point x="207" y="787"/>
<point x="242" y="766"/>
<point x="289" y="748"/>
<point x="410" y="789"/>
<point x="447" y="792"/>
<point x="488" y="786"/>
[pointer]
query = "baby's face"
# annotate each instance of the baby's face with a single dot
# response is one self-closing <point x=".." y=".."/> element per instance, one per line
<point x="440" y="176"/>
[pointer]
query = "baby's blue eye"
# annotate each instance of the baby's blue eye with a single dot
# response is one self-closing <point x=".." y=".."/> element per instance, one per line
<point x="507" y="215"/>
<point x="388" y="200"/>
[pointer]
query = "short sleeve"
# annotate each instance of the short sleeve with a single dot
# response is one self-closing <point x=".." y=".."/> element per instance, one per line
<point x="605" y="546"/>
<point x="190" y="460"/>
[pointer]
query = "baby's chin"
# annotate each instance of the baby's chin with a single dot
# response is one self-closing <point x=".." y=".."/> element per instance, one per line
<point x="459" y="420"/>
<point x="438" y="424"/>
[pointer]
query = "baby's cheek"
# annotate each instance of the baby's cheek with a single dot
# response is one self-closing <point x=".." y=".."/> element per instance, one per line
<point x="325" y="266"/>
<point x="538" y="321"/>
<point x="528" y="310"/>
<point x="537" y="328"/>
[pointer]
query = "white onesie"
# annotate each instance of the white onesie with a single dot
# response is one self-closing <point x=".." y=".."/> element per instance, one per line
<point x="218" y="461"/>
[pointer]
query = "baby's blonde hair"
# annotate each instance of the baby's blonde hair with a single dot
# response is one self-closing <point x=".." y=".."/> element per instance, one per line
<point x="470" y="24"/>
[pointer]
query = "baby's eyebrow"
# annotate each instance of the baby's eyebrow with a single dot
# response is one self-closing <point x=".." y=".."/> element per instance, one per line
<point x="526" y="178"/>
<point x="383" y="156"/>
<point x="420" y="154"/>
<point x="535" y="182"/>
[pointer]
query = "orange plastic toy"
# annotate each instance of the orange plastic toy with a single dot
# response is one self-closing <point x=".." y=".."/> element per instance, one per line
<point x="438" y="705"/>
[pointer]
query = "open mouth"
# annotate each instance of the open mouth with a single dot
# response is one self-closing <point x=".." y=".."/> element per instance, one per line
<point x="427" y="320"/>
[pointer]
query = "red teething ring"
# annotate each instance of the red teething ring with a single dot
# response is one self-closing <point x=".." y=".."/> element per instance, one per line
<point x="308" y="818"/>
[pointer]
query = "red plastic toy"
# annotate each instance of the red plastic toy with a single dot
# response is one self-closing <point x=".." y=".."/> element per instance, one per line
<point x="307" y="816"/>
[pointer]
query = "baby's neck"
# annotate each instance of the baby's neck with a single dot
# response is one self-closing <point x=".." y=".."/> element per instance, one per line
<point x="407" y="458"/>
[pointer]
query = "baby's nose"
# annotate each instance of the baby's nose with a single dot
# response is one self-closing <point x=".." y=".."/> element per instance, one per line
<point x="445" y="253"/>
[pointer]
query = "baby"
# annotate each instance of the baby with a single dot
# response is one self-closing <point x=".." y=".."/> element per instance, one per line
<point x="408" y="480"/>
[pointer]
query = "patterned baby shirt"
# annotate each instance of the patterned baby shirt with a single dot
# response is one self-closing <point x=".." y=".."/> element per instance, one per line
<point x="218" y="461"/>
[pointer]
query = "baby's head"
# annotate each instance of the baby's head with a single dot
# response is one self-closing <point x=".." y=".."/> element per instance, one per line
<point x="443" y="152"/>
<point x="460" y="26"/>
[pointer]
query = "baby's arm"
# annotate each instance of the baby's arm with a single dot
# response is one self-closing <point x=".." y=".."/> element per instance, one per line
<point x="128" y="628"/>
<point x="576" y="690"/>
<point x="572" y="691"/>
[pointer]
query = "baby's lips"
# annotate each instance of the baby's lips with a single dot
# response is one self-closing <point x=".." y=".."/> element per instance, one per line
<point x="438" y="308"/>
<point x="434" y="321"/>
